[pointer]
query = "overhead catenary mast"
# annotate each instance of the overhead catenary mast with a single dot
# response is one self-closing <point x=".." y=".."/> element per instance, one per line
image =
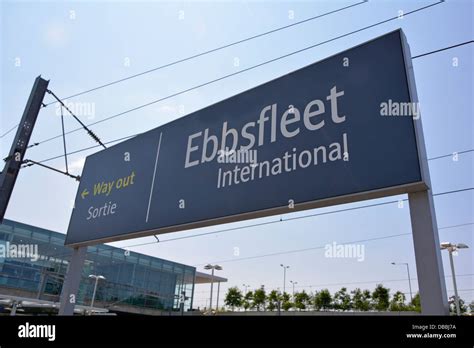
<point x="15" y="157"/>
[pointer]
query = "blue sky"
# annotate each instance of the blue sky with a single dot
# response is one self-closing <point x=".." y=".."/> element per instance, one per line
<point x="79" y="45"/>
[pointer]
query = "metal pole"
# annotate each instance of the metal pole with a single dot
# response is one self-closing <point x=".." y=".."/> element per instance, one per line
<point x="409" y="282"/>
<point x="218" y="289"/>
<point x="182" y="300"/>
<point x="41" y="285"/>
<point x="95" y="289"/>
<point x="14" y="307"/>
<point x="284" y="278"/>
<point x="279" y="304"/>
<point x="456" y="297"/>
<point x="20" y="143"/>
<point x="64" y="140"/>
<point x="212" y="285"/>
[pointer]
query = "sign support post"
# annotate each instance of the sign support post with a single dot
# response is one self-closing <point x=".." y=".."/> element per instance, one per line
<point x="429" y="263"/>
<point x="72" y="281"/>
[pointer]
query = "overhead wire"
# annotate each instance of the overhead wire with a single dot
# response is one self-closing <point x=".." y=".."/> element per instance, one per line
<point x="219" y="48"/>
<point x="245" y="70"/>
<point x="288" y="219"/>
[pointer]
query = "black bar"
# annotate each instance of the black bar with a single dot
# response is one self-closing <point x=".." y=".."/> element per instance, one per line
<point x="245" y="330"/>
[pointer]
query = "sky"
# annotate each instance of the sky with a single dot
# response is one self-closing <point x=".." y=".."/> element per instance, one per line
<point x="80" y="45"/>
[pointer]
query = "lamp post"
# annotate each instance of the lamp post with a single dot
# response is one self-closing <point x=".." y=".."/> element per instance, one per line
<point x="246" y="286"/>
<point x="453" y="248"/>
<point x="409" y="280"/>
<point x="96" y="277"/>
<point x="218" y="290"/>
<point x="212" y="267"/>
<point x="284" y="275"/>
<point x="292" y="282"/>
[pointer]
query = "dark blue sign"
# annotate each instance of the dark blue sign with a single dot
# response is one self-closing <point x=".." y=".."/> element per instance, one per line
<point x="337" y="129"/>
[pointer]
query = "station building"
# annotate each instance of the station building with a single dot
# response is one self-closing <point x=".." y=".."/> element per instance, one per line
<point x="34" y="262"/>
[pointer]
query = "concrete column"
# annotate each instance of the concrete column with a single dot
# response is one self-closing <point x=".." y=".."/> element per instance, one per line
<point x="72" y="281"/>
<point x="429" y="265"/>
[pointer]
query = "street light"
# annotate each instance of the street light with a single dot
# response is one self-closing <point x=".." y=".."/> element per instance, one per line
<point x="453" y="248"/>
<point x="96" y="277"/>
<point x="284" y="275"/>
<point x="212" y="267"/>
<point x="292" y="282"/>
<point x="409" y="280"/>
<point x="246" y="286"/>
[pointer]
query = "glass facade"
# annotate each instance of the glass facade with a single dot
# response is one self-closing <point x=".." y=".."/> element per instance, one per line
<point x="133" y="280"/>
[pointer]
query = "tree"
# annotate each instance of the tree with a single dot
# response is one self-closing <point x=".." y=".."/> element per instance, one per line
<point x="398" y="302"/>
<point x="452" y="305"/>
<point x="233" y="298"/>
<point x="342" y="300"/>
<point x="286" y="302"/>
<point x="247" y="302"/>
<point x="361" y="299"/>
<point x="380" y="298"/>
<point x="322" y="300"/>
<point x="415" y="303"/>
<point x="274" y="298"/>
<point x="259" y="298"/>
<point x="471" y="306"/>
<point x="301" y="300"/>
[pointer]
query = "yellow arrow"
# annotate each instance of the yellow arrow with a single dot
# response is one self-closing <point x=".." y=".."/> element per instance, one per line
<point x="84" y="193"/>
